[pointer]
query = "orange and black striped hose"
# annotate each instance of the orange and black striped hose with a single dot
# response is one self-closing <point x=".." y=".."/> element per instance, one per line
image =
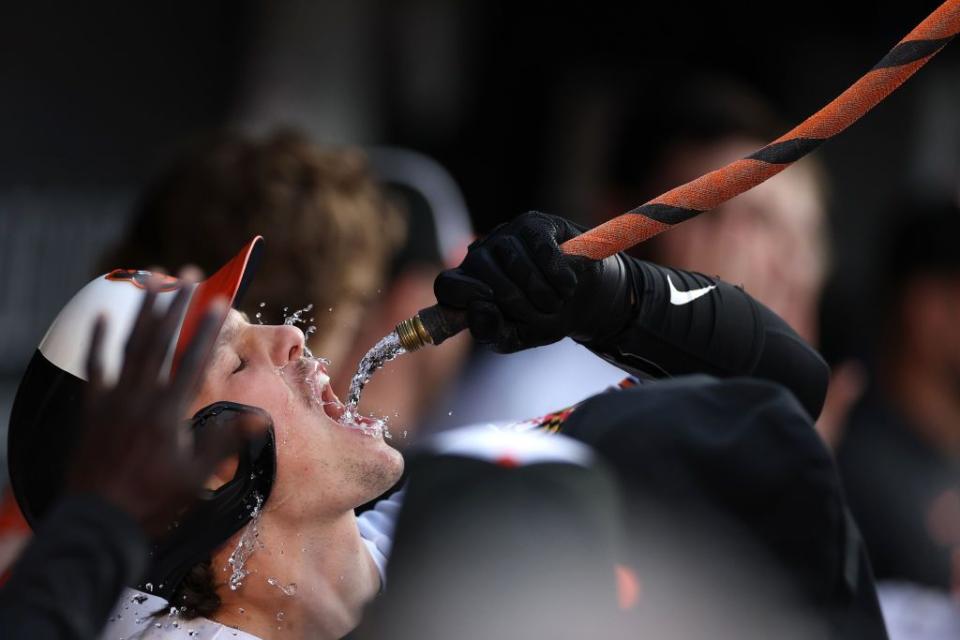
<point x="435" y="324"/>
<point x="709" y="191"/>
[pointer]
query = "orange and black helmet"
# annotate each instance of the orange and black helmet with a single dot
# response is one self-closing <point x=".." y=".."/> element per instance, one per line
<point x="44" y="422"/>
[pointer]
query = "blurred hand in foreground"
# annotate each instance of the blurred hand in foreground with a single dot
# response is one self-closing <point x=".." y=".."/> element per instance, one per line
<point x="137" y="452"/>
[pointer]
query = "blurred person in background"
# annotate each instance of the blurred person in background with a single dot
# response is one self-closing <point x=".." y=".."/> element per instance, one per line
<point x="900" y="459"/>
<point x="357" y="238"/>
<point x="333" y="232"/>
<point x="772" y="240"/>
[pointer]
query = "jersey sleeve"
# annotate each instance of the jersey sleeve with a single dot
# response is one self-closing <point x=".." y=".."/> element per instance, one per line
<point x="689" y="323"/>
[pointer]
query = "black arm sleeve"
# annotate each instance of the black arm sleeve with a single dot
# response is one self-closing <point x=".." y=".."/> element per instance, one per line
<point x="722" y="332"/>
<point x="72" y="573"/>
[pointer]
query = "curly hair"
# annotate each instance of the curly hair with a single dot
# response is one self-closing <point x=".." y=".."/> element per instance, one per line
<point x="336" y="231"/>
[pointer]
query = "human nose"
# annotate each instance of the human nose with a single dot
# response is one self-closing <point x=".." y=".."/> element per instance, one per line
<point x="288" y="344"/>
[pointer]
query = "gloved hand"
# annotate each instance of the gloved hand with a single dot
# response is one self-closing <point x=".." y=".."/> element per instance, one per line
<point x="520" y="290"/>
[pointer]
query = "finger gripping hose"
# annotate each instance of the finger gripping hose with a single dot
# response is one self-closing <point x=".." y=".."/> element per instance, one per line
<point x="709" y="191"/>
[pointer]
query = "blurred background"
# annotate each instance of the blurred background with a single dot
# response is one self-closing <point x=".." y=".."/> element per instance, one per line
<point x="528" y="105"/>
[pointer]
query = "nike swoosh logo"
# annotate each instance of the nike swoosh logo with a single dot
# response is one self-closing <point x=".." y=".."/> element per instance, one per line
<point x="680" y="298"/>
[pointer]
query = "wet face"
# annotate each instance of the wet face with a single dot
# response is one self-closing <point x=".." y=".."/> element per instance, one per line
<point x="323" y="467"/>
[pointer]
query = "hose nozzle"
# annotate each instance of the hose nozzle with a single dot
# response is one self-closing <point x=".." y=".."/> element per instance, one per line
<point x="413" y="334"/>
<point x="432" y="325"/>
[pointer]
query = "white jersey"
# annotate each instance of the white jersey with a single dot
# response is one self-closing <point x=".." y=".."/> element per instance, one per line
<point x="136" y="618"/>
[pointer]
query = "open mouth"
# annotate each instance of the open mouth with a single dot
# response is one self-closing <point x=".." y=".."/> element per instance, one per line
<point x="331" y="404"/>
<point x="310" y="376"/>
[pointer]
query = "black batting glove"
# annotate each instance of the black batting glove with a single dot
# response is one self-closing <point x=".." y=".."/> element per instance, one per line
<point x="519" y="290"/>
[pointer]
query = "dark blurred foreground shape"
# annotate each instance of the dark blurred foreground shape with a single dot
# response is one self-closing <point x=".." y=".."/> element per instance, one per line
<point x="514" y="539"/>
<point x="717" y="497"/>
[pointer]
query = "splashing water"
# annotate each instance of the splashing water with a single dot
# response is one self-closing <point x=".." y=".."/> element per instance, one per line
<point x="304" y="373"/>
<point x="288" y="590"/>
<point x="383" y="352"/>
<point x="296" y="318"/>
<point x="245" y="547"/>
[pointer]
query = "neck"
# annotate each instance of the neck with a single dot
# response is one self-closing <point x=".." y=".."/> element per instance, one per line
<point x="305" y="581"/>
<point x="928" y="400"/>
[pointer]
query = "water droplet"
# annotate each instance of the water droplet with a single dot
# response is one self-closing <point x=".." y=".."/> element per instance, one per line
<point x="242" y="610"/>
<point x="263" y="304"/>
<point x="280" y="616"/>
<point x="149" y="587"/>
<point x="288" y="590"/>
<point x="449" y="413"/>
<point x="245" y="546"/>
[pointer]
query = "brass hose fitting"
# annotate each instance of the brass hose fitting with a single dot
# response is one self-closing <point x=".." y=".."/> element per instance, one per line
<point x="413" y="335"/>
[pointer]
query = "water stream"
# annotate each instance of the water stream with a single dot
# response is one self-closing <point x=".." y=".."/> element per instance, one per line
<point x="383" y="352"/>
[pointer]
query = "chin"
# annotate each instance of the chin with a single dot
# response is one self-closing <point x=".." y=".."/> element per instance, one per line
<point x="384" y="471"/>
<point x="365" y="463"/>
